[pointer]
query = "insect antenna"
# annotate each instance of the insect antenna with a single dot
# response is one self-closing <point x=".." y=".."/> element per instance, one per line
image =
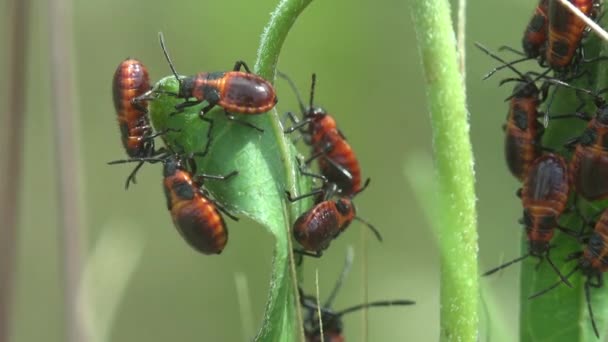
<point x="348" y="264"/>
<point x="371" y="227"/>
<point x="295" y="90"/>
<point x="375" y="304"/>
<point x="166" y="53"/>
<point x="496" y="57"/>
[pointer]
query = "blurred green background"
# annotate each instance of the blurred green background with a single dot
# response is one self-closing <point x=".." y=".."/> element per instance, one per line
<point x="369" y="78"/>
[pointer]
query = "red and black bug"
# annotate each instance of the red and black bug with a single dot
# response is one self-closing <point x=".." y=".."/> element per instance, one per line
<point x="130" y="83"/>
<point x="235" y="91"/>
<point x="592" y="262"/>
<point x="566" y="32"/>
<point x="544" y="196"/>
<point x="523" y="131"/>
<point x="588" y="168"/>
<point x="535" y="35"/>
<point x="195" y="215"/>
<point x="589" y="163"/>
<point x="316" y="228"/>
<point x="337" y="160"/>
<point x="330" y="321"/>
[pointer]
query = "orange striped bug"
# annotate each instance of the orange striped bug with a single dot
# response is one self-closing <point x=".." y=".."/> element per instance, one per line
<point x="566" y="32"/>
<point x="337" y="160"/>
<point x="195" y="215"/>
<point x="544" y="196"/>
<point x="130" y="82"/>
<point x="235" y="91"/>
<point x="535" y="35"/>
<point x="523" y="131"/>
<point x="588" y="167"/>
<point x="331" y="320"/>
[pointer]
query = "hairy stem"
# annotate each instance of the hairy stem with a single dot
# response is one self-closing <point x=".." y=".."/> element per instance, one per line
<point x="453" y="168"/>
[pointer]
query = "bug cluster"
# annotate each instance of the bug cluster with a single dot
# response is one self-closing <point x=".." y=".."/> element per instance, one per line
<point x="557" y="179"/>
<point x="196" y="215"/>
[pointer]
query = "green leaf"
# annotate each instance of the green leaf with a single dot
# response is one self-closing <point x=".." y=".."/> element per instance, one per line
<point x="561" y="314"/>
<point x="267" y="168"/>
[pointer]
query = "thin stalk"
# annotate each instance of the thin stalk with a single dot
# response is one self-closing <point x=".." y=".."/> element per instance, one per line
<point x="11" y="160"/>
<point x="453" y="159"/>
<point x="62" y="105"/>
<point x="273" y="37"/>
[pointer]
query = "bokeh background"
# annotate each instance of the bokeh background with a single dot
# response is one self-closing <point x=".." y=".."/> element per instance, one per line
<point x="369" y="78"/>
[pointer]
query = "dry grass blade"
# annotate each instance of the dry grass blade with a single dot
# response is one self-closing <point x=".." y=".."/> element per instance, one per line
<point x="62" y="106"/>
<point x="11" y="158"/>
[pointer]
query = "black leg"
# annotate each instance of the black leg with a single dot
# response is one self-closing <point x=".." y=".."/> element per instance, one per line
<point x="206" y="109"/>
<point x="131" y="177"/>
<point x="209" y="137"/>
<point x="244" y="123"/>
<point x="297" y="198"/>
<point x="297" y="124"/>
<point x="239" y="64"/>
<point x="304" y="172"/>
<point x="181" y="106"/>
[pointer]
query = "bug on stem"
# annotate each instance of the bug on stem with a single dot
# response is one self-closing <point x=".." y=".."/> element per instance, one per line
<point x="235" y="91"/>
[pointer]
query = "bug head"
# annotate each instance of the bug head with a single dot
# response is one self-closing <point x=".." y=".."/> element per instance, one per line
<point x="586" y="267"/>
<point x="602" y="114"/>
<point x="346" y="207"/>
<point x="171" y="165"/>
<point x="312" y="111"/>
<point x="524" y="89"/>
<point x="538" y="248"/>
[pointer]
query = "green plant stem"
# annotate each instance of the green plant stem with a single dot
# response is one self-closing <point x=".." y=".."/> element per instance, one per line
<point x="453" y="158"/>
<point x="273" y="37"/>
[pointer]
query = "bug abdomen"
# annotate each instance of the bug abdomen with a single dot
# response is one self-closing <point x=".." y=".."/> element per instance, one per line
<point x="535" y="35"/>
<point x="589" y="172"/>
<point x="130" y="81"/>
<point x="315" y="229"/>
<point x="201" y="225"/>
<point x="246" y="93"/>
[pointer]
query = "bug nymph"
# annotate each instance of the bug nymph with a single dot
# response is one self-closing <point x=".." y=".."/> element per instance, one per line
<point x="592" y="262"/>
<point x="195" y="215"/>
<point x="588" y="168"/>
<point x="332" y="320"/>
<point x="544" y="196"/>
<point x="535" y="35"/>
<point x="566" y="32"/>
<point x="325" y="221"/>
<point x="338" y="163"/>
<point x="523" y="131"/>
<point x="129" y="85"/>
<point x="235" y="91"/>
